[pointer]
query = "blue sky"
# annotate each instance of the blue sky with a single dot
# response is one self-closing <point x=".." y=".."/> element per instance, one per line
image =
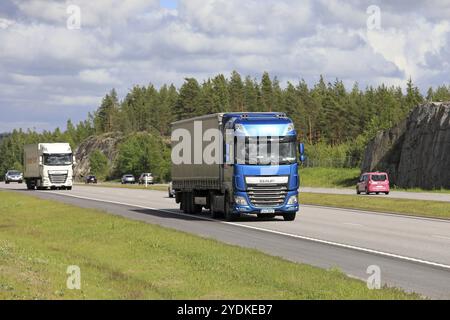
<point x="49" y="73"/>
<point x="169" y="4"/>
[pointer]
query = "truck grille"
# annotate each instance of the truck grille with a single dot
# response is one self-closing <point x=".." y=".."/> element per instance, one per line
<point x="267" y="195"/>
<point x="58" y="178"/>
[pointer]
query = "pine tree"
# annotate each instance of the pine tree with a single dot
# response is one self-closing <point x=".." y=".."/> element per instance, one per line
<point x="236" y="90"/>
<point x="187" y="104"/>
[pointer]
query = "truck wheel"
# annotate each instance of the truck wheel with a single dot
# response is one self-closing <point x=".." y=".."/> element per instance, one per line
<point x="6" y="182"/>
<point x="184" y="203"/>
<point x="290" y="216"/>
<point x="229" y="216"/>
<point x="193" y="208"/>
<point x="357" y="191"/>
<point x="69" y="188"/>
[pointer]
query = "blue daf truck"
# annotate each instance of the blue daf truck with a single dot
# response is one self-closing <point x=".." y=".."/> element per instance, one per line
<point x="237" y="164"/>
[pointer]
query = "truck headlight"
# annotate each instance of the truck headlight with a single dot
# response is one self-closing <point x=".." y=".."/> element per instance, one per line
<point x="241" y="201"/>
<point x="293" y="200"/>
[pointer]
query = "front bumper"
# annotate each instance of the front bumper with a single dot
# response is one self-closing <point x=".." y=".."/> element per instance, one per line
<point x="14" y="179"/>
<point x="46" y="183"/>
<point x="279" y="210"/>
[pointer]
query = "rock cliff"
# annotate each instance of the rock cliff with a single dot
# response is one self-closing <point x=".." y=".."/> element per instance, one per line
<point x="415" y="153"/>
<point x="106" y="143"/>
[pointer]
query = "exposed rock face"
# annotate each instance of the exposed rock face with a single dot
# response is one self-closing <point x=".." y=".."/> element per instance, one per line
<point x="416" y="153"/>
<point x="106" y="143"/>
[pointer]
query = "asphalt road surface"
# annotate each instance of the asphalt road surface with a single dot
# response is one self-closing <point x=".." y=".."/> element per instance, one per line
<point x="413" y="253"/>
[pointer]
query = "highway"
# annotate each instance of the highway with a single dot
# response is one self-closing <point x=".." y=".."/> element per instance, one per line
<point x="413" y="253"/>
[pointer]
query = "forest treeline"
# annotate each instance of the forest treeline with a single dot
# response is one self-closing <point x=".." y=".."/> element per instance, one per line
<point x="328" y="116"/>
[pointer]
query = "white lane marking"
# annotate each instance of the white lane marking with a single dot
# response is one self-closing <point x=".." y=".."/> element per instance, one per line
<point x="440" y="237"/>
<point x="335" y="244"/>
<point x="352" y="224"/>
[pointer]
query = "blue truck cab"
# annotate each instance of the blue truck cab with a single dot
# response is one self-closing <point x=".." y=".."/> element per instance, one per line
<point x="258" y="171"/>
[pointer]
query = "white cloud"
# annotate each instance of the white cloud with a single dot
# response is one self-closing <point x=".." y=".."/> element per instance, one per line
<point x="407" y="48"/>
<point x="74" y="100"/>
<point x="25" y="79"/>
<point x="98" y="76"/>
<point x="56" y="73"/>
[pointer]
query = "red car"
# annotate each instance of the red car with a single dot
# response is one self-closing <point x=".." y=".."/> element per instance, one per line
<point x="373" y="182"/>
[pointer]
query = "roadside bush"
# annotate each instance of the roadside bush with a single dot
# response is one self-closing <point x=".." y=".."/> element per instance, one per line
<point x="144" y="152"/>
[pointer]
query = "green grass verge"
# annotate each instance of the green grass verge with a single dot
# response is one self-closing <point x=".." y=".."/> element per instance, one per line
<point x="329" y="177"/>
<point x="127" y="186"/>
<point x="431" y="209"/>
<point x="343" y="178"/>
<point x="125" y="259"/>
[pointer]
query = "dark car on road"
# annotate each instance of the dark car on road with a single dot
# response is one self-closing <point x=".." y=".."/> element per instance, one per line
<point x="91" y="179"/>
<point x="13" y="176"/>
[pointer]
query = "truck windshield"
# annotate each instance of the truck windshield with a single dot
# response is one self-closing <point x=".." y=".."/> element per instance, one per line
<point x="57" y="159"/>
<point x="267" y="151"/>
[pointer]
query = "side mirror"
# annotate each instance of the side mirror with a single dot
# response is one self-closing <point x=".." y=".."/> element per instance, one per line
<point x="301" y="148"/>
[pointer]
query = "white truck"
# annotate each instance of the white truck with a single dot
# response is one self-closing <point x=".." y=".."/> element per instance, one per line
<point x="48" y="166"/>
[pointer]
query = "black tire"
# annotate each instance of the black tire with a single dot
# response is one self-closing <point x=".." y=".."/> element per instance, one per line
<point x="69" y="188"/>
<point x="195" y="208"/>
<point x="6" y="182"/>
<point x="185" y="203"/>
<point x="213" y="212"/>
<point x="377" y="193"/>
<point x="387" y="193"/>
<point x="357" y="191"/>
<point x="229" y="215"/>
<point x="289" y="216"/>
<point x="367" y="192"/>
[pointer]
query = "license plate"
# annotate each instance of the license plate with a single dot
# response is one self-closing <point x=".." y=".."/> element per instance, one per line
<point x="267" y="211"/>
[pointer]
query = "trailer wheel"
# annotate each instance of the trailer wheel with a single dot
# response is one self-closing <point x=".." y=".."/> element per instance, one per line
<point x="184" y="203"/>
<point x="214" y="213"/>
<point x="193" y="208"/>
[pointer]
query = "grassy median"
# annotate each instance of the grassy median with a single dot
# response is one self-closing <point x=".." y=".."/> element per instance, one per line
<point x="153" y="187"/>
<point x="343" y="178"/>
<point x="329" y="177"/>
<point x="125" y="259"/>
<point x="431" y="209"/>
